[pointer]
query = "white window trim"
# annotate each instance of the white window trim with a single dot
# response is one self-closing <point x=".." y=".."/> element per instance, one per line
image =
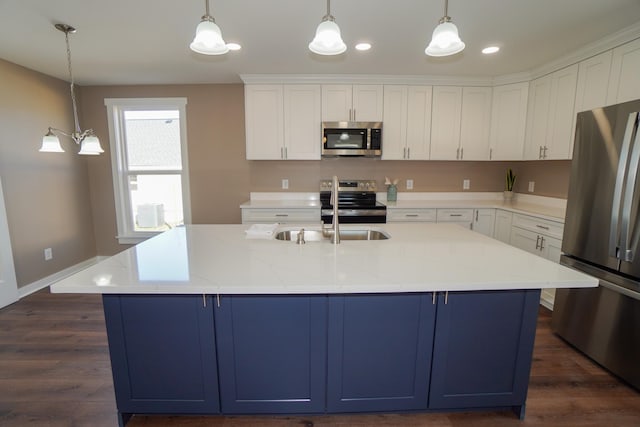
<point x="115" y="107"/>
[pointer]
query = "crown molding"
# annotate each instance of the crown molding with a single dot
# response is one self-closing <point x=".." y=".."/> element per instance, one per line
<point x="365" y="79"/>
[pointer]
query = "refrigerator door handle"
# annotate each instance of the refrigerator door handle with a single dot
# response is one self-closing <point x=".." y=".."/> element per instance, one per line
<point x="634" y="162"/>
<point x="614" y="236"/>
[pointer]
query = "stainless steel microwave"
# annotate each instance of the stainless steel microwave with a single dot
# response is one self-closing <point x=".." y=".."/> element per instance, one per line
<point x="351" y="139"/>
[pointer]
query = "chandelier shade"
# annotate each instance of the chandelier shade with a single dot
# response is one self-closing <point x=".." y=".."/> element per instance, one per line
<point x="445" y="39"/>
<point x="208" y="39"/>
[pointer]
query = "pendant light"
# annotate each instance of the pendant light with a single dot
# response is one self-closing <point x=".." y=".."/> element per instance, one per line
<point x="445" y="40"/>
<point x="208" y="39"/>
<point x="327" y="40"/>
<point x="89" y="143"/>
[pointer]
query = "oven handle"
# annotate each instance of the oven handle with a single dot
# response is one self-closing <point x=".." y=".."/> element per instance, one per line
<point x="355" y="212"/>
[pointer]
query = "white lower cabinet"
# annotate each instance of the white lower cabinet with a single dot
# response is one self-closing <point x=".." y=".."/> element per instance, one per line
<point x="540" y="237"/>
<point x="484" y="221"/>
<point x="502" y="229"/>
<point x="411" y="215"/>
<point x="463" y="217"/>
<point x="281" y="216"/>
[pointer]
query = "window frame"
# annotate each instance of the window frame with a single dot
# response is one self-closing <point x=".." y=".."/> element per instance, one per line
<point x="119" y="167"/>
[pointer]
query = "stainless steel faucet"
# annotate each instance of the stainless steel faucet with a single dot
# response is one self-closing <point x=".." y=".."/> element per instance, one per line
<point x="335" y="226"/>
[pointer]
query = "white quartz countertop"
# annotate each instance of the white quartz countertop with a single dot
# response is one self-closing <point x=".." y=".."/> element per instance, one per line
<point x="220" y="259"/>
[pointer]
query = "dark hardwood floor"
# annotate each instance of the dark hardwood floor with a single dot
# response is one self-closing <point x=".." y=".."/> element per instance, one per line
<point x="55" y="371"/>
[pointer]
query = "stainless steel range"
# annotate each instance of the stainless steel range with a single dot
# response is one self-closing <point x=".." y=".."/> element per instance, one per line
<point x="356" y="202"/>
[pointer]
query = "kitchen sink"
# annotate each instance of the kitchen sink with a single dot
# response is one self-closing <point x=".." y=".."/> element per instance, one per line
<point x="345" y="234"/>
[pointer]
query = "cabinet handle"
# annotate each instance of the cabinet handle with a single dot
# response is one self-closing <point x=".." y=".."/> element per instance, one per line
<point x="286" y="154"/>
<point x="218" y="299"/>
<point x="462" y="153"/>
<point x="490" y="153"/>
<point x="538" y="242"/>
<point x="544" y="152"/>
<point x="411" y="215"/>
<point x="476" y="216"/>
<point x="408" y="153"/>
<point x="404" y="153"/>
<point x="541" y="242"/>
<point x="446" y="298"/>
<point x="457" y="153"/>
<point x="542" y="226"/>
<point x="204" y="300"/>
<point x="433" y="298"/>
<point x="540" y="153"/>
<point x="455" y="215"/>
<point x="282" y="215"/>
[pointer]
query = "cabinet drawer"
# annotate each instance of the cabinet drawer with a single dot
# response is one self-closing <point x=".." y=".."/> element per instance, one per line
<point x="538" y="225"/>
<point x="252" y="216"/>
<point x="455" y="215"/>
<point x="411" y="215"/>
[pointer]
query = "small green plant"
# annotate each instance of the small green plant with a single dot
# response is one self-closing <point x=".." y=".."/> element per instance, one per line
<point x="511" y="179"/>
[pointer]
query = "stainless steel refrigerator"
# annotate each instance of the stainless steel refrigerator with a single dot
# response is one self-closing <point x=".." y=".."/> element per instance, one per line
<point x="601" y="236"/>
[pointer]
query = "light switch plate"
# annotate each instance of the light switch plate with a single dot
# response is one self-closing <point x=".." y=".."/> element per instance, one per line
<point x="48" y="254"/>
<point x="409" y="184"/>
<point x="532" y="185"/>
<point x="466" y="184"/>
<point x="285" y="184"/>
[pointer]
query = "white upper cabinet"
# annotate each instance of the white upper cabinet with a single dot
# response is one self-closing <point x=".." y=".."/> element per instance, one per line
<point x="282" y="122"/>
<point x="361" y="103"/>
<point x="475" y="123"/>
<point x="302" y="127"/>
<point x="593" y="82"/>
<point x="445" y="123"/>
<point x="551" y="114"/>
<point x="508" y="121"/>
<point x="624" y="83"/>
<point x="460" y="123"/>
<point x="406" y="123"/>
<point x="264" y="123"/>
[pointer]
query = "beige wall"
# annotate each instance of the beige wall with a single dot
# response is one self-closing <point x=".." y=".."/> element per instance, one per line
<point x="46" y="194"/>
<point x="221" y="178"/>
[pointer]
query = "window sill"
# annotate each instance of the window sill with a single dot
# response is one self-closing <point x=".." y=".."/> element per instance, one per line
<point x="134" y="240"/>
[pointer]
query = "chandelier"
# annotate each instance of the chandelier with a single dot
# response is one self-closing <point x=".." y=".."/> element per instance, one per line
<point x="88" y="142"/>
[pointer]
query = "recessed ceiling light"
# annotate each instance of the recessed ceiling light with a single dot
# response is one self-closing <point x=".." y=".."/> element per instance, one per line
<point x="233" y="46"/>
<point x="363" y="46"/>
<point x="491" y="49"/>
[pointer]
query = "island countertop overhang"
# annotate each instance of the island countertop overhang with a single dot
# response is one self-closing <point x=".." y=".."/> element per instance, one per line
<point x="220" y="259"/>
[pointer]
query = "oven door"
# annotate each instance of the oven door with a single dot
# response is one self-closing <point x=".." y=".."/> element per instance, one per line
<point x="352" y="141"/>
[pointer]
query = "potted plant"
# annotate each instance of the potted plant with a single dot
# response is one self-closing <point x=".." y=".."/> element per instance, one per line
<point x="509" y="182"/>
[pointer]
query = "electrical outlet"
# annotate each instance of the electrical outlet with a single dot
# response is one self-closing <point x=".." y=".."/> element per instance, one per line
<point x="466" y="184"/>
<point x="285" y="184"/>
<point x="409" y="184"/>
<point x="48" y="254"/>
<point x="532" y="185"/>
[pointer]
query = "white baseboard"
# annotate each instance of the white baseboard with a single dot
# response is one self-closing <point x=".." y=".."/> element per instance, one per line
<point x="547" y="302"/>
<point x="26" y="290"/>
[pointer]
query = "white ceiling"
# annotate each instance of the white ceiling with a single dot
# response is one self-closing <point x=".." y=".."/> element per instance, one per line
<point x="146" y="42"/>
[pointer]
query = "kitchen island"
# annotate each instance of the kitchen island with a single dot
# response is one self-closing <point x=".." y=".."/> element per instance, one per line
<point x="202" y="320"/>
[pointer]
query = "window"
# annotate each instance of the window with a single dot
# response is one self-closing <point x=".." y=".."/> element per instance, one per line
<point x="149" y="162"/>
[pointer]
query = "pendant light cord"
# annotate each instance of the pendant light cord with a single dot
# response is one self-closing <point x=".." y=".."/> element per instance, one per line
<point x="73" y="93"/>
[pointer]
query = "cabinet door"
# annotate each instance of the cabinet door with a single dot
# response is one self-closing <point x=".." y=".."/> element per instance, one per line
<point x="394" y="130"/>
<point x="418" y="122"/>
<point x="537" y="117"/>
<point x="508" y="121"/>
<point x="302" y="130"/>
<point x="552" y="249"/>
<point x="502" y="230"/>
<point x="593" y="81"/>
<point x="379" y="352"/>
<point x="482" y="348"/>
<point x="163" y="354"/>
<point x="561" y="114"/>
<point x="525" y="240"/>
<point x="445" y="123"/>
<point x="475" y="123"/>
<point x="484" y="221"/>
<point x="624" y="84"/>
<point x="272" y="353"/>
<point x="264" y="122"/>
<point x="367" y="103"/>
<point x="336" y="103"/>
